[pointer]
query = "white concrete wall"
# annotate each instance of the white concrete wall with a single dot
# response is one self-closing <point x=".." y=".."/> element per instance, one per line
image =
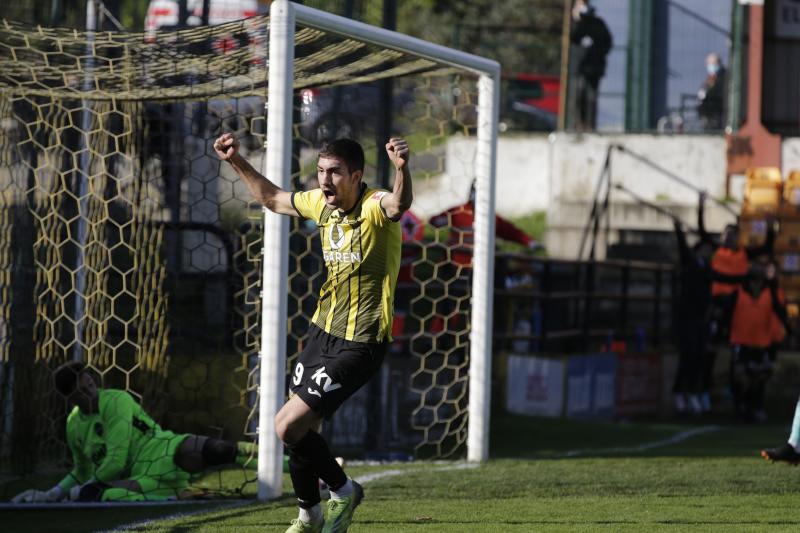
<point x="790" y="155"/>
<point x="522" y="165"/>
<point x="578" y="160"/>
<point x="559" y="173"/>
<point x="577" y="164"/>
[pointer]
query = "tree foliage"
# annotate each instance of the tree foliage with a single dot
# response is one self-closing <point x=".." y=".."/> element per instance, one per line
<point x="69" y="13"/>
<point x="72" y="13"/>
<point x="524" y="35"/>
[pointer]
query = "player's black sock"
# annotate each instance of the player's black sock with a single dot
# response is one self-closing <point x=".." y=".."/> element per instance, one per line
<point x="219" y="452"/>
<point x="314" y="447"/>
<point x="304" y="479"/>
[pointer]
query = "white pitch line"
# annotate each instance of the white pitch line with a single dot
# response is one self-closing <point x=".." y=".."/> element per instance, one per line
<point x="149" y="521"/>
<point x="366" y="478"/>
<point x="679" y="437"/>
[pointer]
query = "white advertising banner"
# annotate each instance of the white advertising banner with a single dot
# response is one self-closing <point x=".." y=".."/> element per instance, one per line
<point x="535" y="386"/>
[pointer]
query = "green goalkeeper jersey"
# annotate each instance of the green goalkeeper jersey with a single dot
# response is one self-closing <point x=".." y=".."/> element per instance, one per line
<point x="105" y="444"/>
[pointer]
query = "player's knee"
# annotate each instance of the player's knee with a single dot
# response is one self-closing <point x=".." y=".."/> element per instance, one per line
<point x="218" y="452"/>
<point x="289" y="430"/>
<point x="283" y="428"/>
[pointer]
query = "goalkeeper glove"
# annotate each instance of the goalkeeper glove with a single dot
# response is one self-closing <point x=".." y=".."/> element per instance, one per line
<point x="39" y="496"/>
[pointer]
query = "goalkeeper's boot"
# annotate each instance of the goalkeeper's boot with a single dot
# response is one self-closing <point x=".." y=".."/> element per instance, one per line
<point x="785" y="453"/>
<point x="298" y="526"/>
<point x="340" y="511"/>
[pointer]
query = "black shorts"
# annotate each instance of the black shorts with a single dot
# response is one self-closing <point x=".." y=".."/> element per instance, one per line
<point x="753" y="360"/>
<point x="330" y="369"/>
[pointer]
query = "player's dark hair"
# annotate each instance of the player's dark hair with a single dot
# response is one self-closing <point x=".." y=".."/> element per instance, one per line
<point x="348" y="151"/>
<point x="65" y="377"/>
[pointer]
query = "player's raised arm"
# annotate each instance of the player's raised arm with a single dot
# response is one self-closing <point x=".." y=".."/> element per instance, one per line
<point x="399" y="200"/>
<point x="267" y="193"/>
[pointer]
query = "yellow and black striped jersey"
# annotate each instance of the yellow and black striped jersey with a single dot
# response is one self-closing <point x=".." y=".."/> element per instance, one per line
<point x="361" y="251"/>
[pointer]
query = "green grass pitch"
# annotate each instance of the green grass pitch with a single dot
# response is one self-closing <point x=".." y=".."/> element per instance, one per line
<point x="712" y="481"/>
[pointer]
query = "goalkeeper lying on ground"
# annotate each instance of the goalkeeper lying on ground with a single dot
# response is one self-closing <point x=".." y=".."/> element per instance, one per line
<point x="120" y="453"/>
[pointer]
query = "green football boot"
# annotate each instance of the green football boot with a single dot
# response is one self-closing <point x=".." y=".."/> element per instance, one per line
<point x="298" y="526"/>
<point x="340" y="512"/>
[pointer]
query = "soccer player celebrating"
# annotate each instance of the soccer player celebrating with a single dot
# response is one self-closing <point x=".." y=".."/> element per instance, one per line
<point x="350" y="329"/>
<point x="120" y="453"/>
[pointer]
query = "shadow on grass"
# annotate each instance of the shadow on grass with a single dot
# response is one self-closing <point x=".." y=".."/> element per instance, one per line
<point x="522" y="437"/>
<point x="133" y="517"/>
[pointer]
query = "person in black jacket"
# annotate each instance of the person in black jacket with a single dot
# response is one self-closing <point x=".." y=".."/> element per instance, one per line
<point x="711" y="96"/>
<point x="592" y="35"/>
<point x="692" y="380"/>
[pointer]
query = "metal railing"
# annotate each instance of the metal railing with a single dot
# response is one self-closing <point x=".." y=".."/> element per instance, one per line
<point x="551" y="305"/>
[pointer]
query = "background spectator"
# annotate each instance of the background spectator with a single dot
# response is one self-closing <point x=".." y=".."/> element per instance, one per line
<point x="593" y="36"/>
<point x="711" y="96"/>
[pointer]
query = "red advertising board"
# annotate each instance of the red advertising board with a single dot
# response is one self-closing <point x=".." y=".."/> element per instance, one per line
<point x="638" y="384"/>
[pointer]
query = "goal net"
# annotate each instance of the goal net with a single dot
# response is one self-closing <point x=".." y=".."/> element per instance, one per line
<point x="128" y="246"/>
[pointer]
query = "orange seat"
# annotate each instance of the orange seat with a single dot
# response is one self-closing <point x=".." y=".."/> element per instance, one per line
<point x="762" y="191"/>
<point x="791" y="196"/>
<point x="764" y="174"/>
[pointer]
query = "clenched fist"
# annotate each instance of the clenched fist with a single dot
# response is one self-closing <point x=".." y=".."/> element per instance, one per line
<point x="397" y="150"/>
<point x="226" y="146"/>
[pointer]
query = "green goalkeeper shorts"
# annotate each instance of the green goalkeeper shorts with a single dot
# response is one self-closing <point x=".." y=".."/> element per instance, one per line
<point x="155" y="470"/>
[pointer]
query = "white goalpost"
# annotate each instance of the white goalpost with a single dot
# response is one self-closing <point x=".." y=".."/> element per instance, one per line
<point x="277" y="165"/>
<point x="284" y="15"/>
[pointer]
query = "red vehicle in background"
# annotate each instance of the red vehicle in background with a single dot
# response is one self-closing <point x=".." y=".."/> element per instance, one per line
<point x="530" y="102"/>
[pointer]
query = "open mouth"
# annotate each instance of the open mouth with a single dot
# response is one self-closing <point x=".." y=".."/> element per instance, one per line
<point x="329" y="194"/>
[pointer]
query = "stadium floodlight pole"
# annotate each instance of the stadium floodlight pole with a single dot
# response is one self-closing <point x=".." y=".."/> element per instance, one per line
<point x="82" y="178"/>
<point x="485" y="170"/>
<point x="275" y="258"/>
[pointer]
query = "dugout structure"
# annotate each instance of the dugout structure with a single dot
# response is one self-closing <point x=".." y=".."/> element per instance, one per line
<point x="127" y="245"/>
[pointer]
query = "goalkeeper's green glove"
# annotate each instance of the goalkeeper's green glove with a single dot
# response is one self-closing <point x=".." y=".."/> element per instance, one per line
<point x="39" y="496"/>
